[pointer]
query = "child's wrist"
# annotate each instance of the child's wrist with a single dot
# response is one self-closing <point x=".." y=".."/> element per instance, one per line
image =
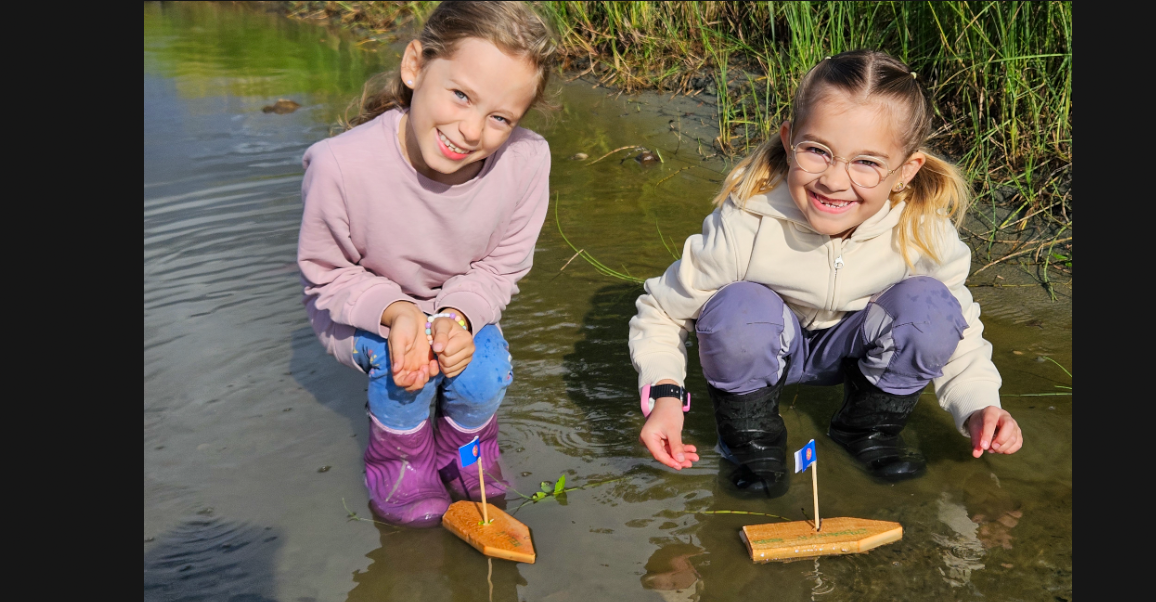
<point x="389" y="315"/>
<point x="458" y="319"/>
<point x="461" y="315"/>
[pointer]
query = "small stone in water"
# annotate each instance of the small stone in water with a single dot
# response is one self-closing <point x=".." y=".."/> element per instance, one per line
<point x="324" y="469"/>
<point x="281" y="107"/>
<point x="1018" y="352"/>
<point x="579" y="157"/>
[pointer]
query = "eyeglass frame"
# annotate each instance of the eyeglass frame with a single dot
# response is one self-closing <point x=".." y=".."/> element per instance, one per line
<point x="846" y="163"/>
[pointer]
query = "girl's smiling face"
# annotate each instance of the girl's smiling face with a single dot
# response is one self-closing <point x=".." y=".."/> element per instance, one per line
<point x="464" y="107"/>
<point x="831" y="202"/>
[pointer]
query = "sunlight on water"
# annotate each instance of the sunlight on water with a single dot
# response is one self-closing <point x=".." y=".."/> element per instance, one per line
<point x="251" y="432"/>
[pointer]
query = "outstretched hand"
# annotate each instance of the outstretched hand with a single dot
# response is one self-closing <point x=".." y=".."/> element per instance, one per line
<point x="993" y="430"/>
<point x="453" y="346"/>
<point x="662" y="435"/>
<point x="410" y="358"/>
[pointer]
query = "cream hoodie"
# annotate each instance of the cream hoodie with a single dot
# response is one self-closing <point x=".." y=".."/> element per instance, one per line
<point x="819" y="277"/>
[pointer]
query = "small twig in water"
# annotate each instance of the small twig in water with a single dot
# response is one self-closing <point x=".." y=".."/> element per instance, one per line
<point x="736" y="512"/>
<point x="353" y="516"/>
<point x="612" y="152"/>
<point x="680" y="170"/>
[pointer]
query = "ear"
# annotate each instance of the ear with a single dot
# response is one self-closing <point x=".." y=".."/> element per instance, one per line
<point x="912" y="167"/>
<point x="785" y="133"/>
<point x="411" y="63"/>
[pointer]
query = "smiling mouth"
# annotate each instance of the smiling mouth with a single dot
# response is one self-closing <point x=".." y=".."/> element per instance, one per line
<point x="451" y="145"/>
<point x="829" y="203"/>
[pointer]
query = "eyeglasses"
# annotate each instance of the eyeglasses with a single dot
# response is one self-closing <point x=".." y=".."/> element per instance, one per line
<point x="865" y="171"/>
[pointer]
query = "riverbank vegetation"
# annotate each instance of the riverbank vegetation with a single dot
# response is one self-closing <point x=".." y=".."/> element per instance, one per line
<point x="1000" y="74"/>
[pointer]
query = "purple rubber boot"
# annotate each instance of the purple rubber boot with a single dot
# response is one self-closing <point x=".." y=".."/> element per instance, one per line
<point x="463" y="482"/>
<point x="401" y="476"/>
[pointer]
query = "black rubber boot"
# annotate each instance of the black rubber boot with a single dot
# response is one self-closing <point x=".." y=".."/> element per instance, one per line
<point x="752" y="435"/>
<point x="868" y="427"/>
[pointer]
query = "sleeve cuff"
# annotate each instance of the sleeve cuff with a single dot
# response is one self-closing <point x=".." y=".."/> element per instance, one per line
<point x="660" y="367"/>
<point x="476" y="309"/>
<point x="962" y="400"/>
<point x="366" y="313"/>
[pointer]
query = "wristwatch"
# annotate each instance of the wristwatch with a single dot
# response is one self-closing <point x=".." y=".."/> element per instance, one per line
<point x="653" y="392"/>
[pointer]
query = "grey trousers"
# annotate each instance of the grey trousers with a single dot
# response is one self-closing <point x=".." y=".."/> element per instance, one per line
<point x="902" y="339"/>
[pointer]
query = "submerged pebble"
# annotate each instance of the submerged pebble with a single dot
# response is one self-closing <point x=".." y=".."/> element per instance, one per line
<point x="647" y="158"/>
<point x="281" y="107"/>
<point x="579" y="157"/>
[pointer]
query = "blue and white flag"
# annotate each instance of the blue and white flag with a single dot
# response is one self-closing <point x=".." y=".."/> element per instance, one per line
<point x="805" y="457"/>
<point x="469" y="452"/>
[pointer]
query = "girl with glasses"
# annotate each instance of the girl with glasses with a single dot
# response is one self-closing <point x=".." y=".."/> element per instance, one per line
<point x="832" y="257"/>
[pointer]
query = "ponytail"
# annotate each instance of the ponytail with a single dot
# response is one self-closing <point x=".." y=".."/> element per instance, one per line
<point x="762" y="170"/>
<point x="938" y="193"/>
<point x="381" y="93"/>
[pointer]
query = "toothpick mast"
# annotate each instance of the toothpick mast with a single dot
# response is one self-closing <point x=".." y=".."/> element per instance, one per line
<point x="815" y="490"/>
<point x="482" y="482"/>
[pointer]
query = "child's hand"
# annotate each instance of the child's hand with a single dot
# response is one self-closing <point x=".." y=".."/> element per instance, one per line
<point x="993" y="429"/>
<point x="409" y="352"/>
<point x="662" y="435"/>
<point x="453" y="346"/>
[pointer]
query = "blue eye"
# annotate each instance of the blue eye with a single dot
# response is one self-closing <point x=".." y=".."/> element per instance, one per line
<point x="461" y="95"/>
<point x="868" y="162"/>
<point x="502" y="119"/>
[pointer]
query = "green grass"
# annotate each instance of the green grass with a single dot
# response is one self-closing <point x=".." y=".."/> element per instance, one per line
<point x="1000" y="74"/>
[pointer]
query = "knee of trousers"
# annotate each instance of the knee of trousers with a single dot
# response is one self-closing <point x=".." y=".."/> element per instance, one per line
<point x="479" y="388"/>
<point x="744" y="331"/>
<point x="915" y="327"/>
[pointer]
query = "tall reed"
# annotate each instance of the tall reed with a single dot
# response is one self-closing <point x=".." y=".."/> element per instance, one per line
<point x="1000" y="72"/>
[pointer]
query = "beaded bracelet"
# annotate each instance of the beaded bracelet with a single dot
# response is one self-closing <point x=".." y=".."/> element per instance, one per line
<point x="429" y="324"/>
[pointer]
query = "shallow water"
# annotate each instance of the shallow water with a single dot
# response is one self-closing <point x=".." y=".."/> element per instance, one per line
<point x="253" y="436"/>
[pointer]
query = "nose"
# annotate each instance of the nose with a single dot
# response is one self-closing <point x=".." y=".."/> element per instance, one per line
<point x="471" y="128"/>
<point x="835" y="177"/>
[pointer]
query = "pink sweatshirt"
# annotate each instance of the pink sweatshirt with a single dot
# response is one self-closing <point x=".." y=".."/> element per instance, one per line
<point x="375" y="231"/>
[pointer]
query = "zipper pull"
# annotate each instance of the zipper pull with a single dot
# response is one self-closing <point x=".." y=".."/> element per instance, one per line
<point x="839" y="262"/>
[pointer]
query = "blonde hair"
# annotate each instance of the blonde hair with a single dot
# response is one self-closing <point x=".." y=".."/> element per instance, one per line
<point x="938" y="193"/>
<point x="511" y="26"/>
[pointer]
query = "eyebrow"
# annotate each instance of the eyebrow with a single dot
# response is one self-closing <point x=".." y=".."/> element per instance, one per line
<point x="872" y="153"/>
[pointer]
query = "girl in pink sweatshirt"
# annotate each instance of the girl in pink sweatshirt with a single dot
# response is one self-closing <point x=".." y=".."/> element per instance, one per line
<point x="418" y="223"/>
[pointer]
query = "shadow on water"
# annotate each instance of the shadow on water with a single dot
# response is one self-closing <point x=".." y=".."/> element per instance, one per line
<point x="431" y="564"/>
<point x="207" y="558"/>
<point x="339" y="388"/>
<point x="600" y="379"/>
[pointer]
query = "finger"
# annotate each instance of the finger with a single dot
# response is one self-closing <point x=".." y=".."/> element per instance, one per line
<point x="459" y="340"/>
<point x="433" y="367"/>
<point x="458" y="362"/>
<point x="403" y="379"/>
<point x="441" y="335"/>
<point x="1016" y="443"/>
<point x="975" y="427"/>
<point x="420" y="379"/>
<point x="656" y="445"/>
<point x="397" y="349"/>
<point x="989" y="424"/>
<point x="675" y="443"/>
<point x="1004" y="431"/>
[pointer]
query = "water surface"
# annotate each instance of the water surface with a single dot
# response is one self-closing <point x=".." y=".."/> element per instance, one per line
<point x="253" y="436"/>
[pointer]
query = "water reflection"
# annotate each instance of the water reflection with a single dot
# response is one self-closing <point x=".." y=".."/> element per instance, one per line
<point x="242" y="406"/>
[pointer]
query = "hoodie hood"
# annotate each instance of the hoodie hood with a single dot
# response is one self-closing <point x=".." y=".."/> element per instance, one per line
<point x="777" y="203"/>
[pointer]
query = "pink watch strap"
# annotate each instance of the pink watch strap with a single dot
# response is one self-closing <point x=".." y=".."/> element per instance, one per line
<point x="648" y="403"/>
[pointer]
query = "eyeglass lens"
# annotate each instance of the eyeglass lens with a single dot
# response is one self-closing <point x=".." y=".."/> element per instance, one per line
<point x="865" y="171"/>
